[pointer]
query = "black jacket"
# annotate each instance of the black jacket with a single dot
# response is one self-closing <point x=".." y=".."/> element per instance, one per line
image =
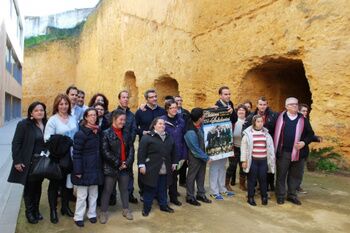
<point x="153" y="151"/>
<point x="111" y="152"/>
<point x="144" y="118"/>
<point x="270" y="120"/>
<point x="87" y="159"/>
<point x="60" y="151"/>
<point x="22" y="150"/>
<point x="233" y="117"/>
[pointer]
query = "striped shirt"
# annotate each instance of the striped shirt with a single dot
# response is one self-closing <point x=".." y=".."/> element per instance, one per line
<point x="259" y="144"/>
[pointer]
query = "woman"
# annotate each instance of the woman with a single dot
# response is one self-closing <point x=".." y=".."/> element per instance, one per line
<point x="234" y="161"/>
<point x="175" y="127"/>
<point x="60" y="123"/>
<point x="27" y="142"/>
<point x="99" y="98"/>
<point x="118" y="157"/>
<point x="102" y="121"/>
<point x="156" y="161"/>
<point x="248" y="104"/>
<point x="257" y="157"/>
<point x="87" y="168"/>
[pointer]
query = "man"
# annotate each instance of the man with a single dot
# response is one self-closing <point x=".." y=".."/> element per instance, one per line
<point x="217" y="171"/>
<point x="130" y="124"/>
<point x="186" y="115"/>
<point x="77" y="112"/>
<point x="269" y="117"/>
<point x="197" y="158"/>
<point x="80" y="100"/>
<point x="293" y="133"/>
<point x="144" y="118"/>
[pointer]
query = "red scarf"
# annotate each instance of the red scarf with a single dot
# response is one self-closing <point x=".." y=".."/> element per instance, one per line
<point x="119" y="134"/>
<point x="94" y="128"/>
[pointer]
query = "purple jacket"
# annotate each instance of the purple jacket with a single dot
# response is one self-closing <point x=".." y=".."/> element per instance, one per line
<point x="176" y="128"/>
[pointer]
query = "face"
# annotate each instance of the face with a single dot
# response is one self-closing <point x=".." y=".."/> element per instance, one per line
<point x="73" y="96"/>
<point x="304" y="111"/>
<point x="241" y="113"/>
<point x="152" y="98"/>
<point x="292" y="106"/>
<point x="262" y="105"/>
<point x="225" y="95"/>
<point x="100" y="110"/>
<point x="160" y="126"/>
<point x="247" y="105"/>
<point x="80" y="99"/>
<point x="179" y="101"/>
<point x="172" y="111"/>
<point x="38" y="113"/>
<point x="99" y="99"/>
<point x="259" y="123"/>
<point x="91" y="117"/>
<point x="119" y="122"/>
<point x="124" y="99"/>
<point x="63" y="107"/>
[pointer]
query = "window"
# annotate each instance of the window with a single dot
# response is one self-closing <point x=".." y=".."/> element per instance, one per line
<point x="13" y="66"/>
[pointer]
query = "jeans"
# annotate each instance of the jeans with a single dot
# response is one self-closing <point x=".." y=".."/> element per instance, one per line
<point x="258" y="171"/>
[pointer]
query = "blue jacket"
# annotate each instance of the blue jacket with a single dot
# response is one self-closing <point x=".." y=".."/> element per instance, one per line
<point x="195" y="141"/>
<point x="144" y="118"/>
<point x="177" y="130"/>
<point x="87" y="158"/>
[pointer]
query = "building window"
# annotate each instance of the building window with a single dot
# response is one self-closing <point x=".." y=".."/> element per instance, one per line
<point x="13" y="66"/>
<point x="12" y="107"/>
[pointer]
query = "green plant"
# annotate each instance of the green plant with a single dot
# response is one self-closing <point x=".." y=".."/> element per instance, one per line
<point x="325" y="159"/>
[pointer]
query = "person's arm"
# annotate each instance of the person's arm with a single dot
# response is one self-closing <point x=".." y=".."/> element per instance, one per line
<point x="244" y="149"/>
<point x="308" y="131"/>
<point x="133" y="129"/>
<point x="142" y="152"/>
<point x="192" y="142"/>
<point x="107" y="154"/>
<point x="248" y="122"/>
<point x="17" y="143"/>
<point x="78" y="146"/>
<point x="138" y="123"/>
<point x="50" y="129"/>
<point x="130" y="158"/>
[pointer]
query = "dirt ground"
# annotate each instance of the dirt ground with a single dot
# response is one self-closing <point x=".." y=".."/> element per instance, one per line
<point x="325" y="208"/>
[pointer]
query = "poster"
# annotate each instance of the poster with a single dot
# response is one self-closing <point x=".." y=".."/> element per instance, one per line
<point x="218" y="133"/>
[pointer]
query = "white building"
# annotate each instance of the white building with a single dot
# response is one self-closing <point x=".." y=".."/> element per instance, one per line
<point x="11" y="59"/>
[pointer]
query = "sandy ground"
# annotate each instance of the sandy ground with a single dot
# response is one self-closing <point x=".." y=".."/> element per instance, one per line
<point x="326" y="208"/>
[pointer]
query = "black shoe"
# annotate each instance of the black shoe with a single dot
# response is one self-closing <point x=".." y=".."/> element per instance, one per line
<point x="167" y="209"/>
<point x="251" y="201"/>
<point x="93" y="220"/>
<point x="53" y="216"/>
<point x="67" y="211"/>
<point x="79" y="223"/>
<point x="264" y="200"/>
<point x="294" y="200"/>
<point x="193" y="202"/>
<point x="280" y="200"/>
<point x="133" y="199"/>
<point x="145" y="213"/>
<point x="203" y="199"/>
<point x="176" y="202"/>
<point x="31" y="218"/>
<point x="38" y="216"/>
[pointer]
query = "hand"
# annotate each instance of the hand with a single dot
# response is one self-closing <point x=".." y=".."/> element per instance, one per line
<point x="320" y="139"/>
<point x="145" y="132"/>
<point x="215" y="107"/>
<point x="209" y="161"/>
<point x="173" y="167"/>
<point x="123" y="166"/>
<point x="19" y="167"/>
<point x="299" y="145"/>
<point x="230" y="110"/>
<point x="78" y="176"/>
<point x="142" y="107"/>
<point x="143" y="170"/>
<point x="244" y="165"/>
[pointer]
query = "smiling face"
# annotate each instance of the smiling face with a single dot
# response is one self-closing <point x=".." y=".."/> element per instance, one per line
<point x="80" y="99"/>
<point x="119" y="121"/>
<point x="225" y="95"/>
<point x="73" y="96"/>
<point x="160" y="126"/>
<point x="292" y="105"/>
<point x="152" y="98"/>
<point x="172" y="111"/>
<point x="63" y="107"/>
<point x="241" y="113"/>
<point x="38" y="113"/>
<point x="91" y="117"/>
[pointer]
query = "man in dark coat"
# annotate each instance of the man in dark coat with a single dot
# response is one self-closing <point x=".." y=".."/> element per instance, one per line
<point x="225" y="102"/>
<point x="292" y="133"/>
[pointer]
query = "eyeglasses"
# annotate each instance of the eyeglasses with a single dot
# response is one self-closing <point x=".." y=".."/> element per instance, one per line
<point x="92" y="115"/>
<point x="293" y="104"/>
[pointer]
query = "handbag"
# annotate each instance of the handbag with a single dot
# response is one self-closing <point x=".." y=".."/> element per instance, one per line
<point x="45" y="167"/>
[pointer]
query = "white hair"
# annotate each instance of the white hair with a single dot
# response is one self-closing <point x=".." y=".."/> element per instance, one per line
<point x="291" y="99"/>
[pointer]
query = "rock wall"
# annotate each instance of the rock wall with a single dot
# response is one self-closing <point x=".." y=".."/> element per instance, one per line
<point x="269" y="47"/>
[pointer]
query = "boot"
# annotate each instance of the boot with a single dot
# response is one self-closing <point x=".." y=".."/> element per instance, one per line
<point x="227" y="184"/>
<point x="52" y="196"/>
<point x="65" y="210"/>
<point x="242" y="184"/>
<point x="37" y="213"/>
<point x="30" y="205"/>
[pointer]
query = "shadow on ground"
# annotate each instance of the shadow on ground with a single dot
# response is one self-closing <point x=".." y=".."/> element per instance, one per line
<point x="325" y="208"/>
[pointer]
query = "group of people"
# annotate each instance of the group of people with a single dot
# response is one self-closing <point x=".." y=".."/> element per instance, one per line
<point x="95" y="150"/>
